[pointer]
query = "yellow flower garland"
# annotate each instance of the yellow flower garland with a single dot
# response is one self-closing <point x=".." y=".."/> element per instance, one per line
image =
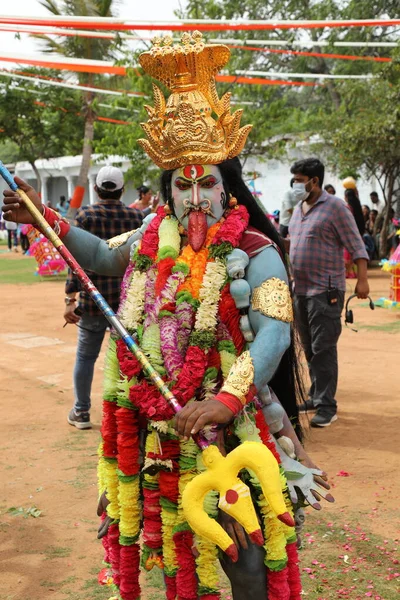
<point x="129" y="501"/>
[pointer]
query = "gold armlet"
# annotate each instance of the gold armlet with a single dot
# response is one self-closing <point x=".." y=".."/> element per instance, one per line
<point x="120" y="240"/>
<point x="273" y="299"/>
<point x="240" y="377"/>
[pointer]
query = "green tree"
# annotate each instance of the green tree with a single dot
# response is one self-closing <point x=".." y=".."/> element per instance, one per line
<point x="37" y="122"/>
<point x="80" y="47"/>
<point x="365" y="135"/>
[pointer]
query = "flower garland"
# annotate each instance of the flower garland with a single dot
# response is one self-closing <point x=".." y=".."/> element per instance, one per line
<point x="178" y="303"/>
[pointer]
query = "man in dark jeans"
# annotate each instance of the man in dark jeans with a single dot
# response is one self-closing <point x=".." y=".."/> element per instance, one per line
<point x="108" y="218"/>
<point x="320" y="228"/>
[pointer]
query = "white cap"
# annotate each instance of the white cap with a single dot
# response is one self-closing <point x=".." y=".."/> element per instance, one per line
<point x="110" y="175"/>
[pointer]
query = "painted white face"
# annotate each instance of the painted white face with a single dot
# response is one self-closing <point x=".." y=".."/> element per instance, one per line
<point x="198" y="188"/>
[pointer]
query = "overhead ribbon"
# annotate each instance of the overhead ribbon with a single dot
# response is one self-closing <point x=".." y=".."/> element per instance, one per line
<point x="190" y="24"/>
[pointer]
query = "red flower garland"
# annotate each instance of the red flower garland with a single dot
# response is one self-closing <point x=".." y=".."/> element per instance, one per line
<point x="128" y="441"/>
<point x="230" y="316"/>
<point x="152" y="536"/>
<point x="294" y="572"/>
<point x="278" y="585"/>
<point x="186" y="580"/>
<point x="233" y="227"/>
<point x="128" y="363"/>
<point x="149" y="244"/>
<point x="170" y="584"/>
<point x="265" y="434"/>
<point x="164" y="269"/>
<point x="109" y="429"/>
<point x="114" y="551"/>
<point x="153" y="405"/>
<point x="129" y="568"/>
<point x="169" y="485"/>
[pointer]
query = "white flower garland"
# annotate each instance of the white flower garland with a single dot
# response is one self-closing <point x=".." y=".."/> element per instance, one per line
<point x="209" y="295"/>
<point x="132" y="311"/>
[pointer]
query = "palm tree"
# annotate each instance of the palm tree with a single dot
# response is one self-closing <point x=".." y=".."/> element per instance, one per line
<point x="80" y="47"/>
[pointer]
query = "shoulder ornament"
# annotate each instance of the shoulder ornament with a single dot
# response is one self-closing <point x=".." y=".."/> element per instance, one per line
<point x="120" y="240"/>
<point x="272" y="299"/>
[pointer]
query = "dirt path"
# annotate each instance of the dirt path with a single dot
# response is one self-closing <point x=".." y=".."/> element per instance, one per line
<point x="49" y="465"/>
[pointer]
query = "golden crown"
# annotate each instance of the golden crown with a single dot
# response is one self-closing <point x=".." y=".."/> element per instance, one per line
<point x="184" y="130"/>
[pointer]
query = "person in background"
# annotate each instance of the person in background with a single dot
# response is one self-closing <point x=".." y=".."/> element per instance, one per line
<point x="321" y="226"/>
<point x="12" y="236"/>
<point x="367" y="237"/>
<point x="371" y="221"/>
<point x="62" y="206"/>
<point x="366" y="211"/>
<point x="376" y="202"/>
<point x="107" y="218"/>
<point x="288" y="204"/>
<point x="330" y="189"/>
<point x="143" y="203"/>
<point x="353" y="204"/>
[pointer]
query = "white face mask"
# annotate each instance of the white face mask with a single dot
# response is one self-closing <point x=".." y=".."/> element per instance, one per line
<point x="300" y="192"/>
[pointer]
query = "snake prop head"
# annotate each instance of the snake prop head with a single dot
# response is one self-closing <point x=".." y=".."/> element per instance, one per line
<point x="221" y="475"/>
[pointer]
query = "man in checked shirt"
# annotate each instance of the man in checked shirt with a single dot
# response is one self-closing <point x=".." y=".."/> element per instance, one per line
<point x="107" y="218"/>
<point x="321" y="226"/>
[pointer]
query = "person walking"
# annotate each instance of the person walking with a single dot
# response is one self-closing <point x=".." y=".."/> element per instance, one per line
<point x="107" y="218"/>
<point x="320" y="228"/>
<point x="12" y="235"/>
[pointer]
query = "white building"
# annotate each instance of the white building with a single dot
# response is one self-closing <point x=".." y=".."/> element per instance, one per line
<point x="59" y="176"/>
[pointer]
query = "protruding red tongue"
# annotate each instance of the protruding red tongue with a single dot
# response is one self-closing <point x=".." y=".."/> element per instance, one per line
<point x="197" y="229"/>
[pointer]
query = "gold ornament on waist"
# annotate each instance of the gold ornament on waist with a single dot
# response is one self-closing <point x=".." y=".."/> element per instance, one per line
<point x="240" y="377"/>
<point x="120" y="240"/>
<point x="194" y="126"/>
<point x="273" y="299"/>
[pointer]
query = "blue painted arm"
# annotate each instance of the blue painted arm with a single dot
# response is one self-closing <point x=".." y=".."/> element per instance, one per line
<point x="272" y="336"/>
<point x="95" y="255"/>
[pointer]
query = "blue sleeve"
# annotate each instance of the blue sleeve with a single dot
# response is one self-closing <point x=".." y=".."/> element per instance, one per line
<point x="272" y="336"/>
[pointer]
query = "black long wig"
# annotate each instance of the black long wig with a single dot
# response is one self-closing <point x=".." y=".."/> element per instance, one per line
<point x="355" y="206"/>
<point x="287" y="381"/>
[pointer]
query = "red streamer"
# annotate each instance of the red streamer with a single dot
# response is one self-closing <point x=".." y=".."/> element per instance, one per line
<point x="261" y="81"/>
<point x="303" y="53"/>
<point x="103" y="24"/>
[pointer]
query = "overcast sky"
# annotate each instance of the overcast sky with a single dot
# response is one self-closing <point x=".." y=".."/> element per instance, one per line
<point x="131" y="9"/>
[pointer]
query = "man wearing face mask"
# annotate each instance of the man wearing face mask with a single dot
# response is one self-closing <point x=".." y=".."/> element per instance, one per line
<point x="320" y="228"/>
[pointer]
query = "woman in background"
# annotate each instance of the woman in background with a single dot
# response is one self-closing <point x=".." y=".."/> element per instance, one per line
<point x="353" y="203"/>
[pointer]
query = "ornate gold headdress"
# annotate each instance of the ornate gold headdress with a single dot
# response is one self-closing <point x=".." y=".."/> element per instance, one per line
<point x="183" y="130"/>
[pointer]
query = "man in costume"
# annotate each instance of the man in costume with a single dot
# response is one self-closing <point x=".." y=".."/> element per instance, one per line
<point x="205" y="292"/>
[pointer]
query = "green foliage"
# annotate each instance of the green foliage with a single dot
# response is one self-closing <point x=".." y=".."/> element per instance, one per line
<point x="38" y="122"/>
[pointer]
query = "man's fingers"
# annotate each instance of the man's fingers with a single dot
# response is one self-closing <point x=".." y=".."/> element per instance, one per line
<point x="181" y="419"/>
<point x="203" y="420"/>
<point x="22" y="184"/>
<point x="240" y="535"/>
<point x="232" y="534"/>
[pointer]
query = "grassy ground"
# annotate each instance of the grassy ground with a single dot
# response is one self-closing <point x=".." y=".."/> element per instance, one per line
<point x="21" y="271"/>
